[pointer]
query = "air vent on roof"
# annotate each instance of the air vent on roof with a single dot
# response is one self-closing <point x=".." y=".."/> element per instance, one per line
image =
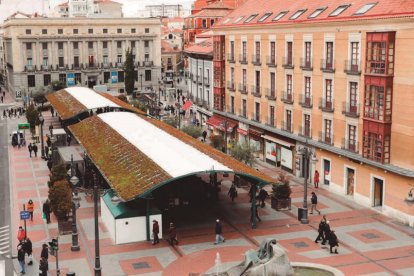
<point x="339" y="10"/>
<point x="365" y="8"/>
<point x="238" y="19"/>
<point x="250" y="18"/>
<point x="280" y="15"/>
<point x="317" y="12"/>
<point x="297" y="14"/>
<point x="265" y="16"/>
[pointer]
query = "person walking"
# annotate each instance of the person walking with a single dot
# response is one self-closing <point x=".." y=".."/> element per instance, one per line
<point x="155" y="231"/>
<point x="1" y="99"/>
<point x="320" y="231"/>
<point x="35" y="149"/>
<point x="30" y="208"/>
<point x="69" y="139"/>
<point x="326" y="232"/>
<point x="43" y="267"/>
<point x="314" y="201"/>
<point x="218" y="231"/>
<point x="20" y="258"/>
<point x="46" y="210"/>
<point x="262" y="197"/>
<point x="316" y="179"/>
<point x="172" y="234"/>
<point x="333" y="242"/>
<point x="50" y="164"/>
<point x="52" y="111"/>
<point x="45" y="252"/>
<point x="21" y="234"/>
<point x="46" y="152"/>
<point x="28" y="249"/>
<point x="232" y="192"/>
<point x="30" y="148"/>
<point x="51" y="129"/>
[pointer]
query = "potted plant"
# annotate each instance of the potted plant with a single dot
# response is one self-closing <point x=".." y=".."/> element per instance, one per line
<point x="281" y="192"/>
<point x="60" y="196"/>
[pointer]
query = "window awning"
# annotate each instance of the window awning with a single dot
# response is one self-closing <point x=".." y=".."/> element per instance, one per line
<point x="242" y="131"/>
<point x="187" y="105"/>
<point x="277" y="141"/>
<point x="220" y="123"/>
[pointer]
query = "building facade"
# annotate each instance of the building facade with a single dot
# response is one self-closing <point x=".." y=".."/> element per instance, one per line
<point x="164" y="11"/>
<point x="171" y="57"/>
<point x="87" y="52"/>
<point x="333" y="78"/>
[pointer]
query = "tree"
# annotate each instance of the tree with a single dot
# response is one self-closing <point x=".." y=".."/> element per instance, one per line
<point x="192" y="130"/>
<point x="60" y="196"/>
<point x="32" y="116"/>
<point x="244" y="153"/>
<point x="57" y="85"/>
<point x="123" y="98"/>
<point x="172" y="121"/>
<point x="58" y="173"/>
<point x="129" y="72"/>
<point x="217" y="141"/>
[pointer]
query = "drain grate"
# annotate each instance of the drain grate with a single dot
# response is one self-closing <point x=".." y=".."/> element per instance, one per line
<point x="140" y="265"/>
<point x="300" y="244"/>
<point x="370" y="236"/>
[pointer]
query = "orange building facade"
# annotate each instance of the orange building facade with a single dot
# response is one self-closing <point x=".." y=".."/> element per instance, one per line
<point x="334" y="78"/>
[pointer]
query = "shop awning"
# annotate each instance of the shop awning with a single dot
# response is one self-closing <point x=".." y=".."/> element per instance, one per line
<point x="256" y="133"/>
<point x="277" y="141"/>
<point x="187" y="105"/>
<point x="242" y="131"/>
<point x="220" y="123"/>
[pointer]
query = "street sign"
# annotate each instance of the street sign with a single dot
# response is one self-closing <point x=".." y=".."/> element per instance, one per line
<point x="24" y="215"/>
<point x="23" y="126"/>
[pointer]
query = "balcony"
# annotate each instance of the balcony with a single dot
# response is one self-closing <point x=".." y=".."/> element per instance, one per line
<point x="45" y="52"/>
<point x="305" y="101"/>
<point x="92" y="65"/>
<point x="242" y="88"/>
<point x="326" y="106"/>
<point x="30" y="68"/>
<point x="256" y="60"/>
<point x="306" y="64"/>
<point x="105" y="51"/>
<point x="287" y="126"/>
<point x="206" y="81"/>
<point x="305" y="132"/>
<point x="270" y="121"/>
<point x="231" y="86"/>
<point x="256" y="91"/>
<point x="76" y="66"/>
<point x="352" y="67"/>
<point x="62" y="67"/>
<point x="119" y="65"/>
<point x="326" y="138"/>
<point x="287" y="97"/>
<point x="255" y="117"/>
<point x="271" y="94"/>
<point x="230" y="109"/>
<point x="243" y="113"/>
<point x="148" y="63"/>
<point x="243" y="59"/>
<point x="271" y="61"/>
<point x="137" y="64"/>
<point x="350" y="145"/>
<point x="230" y="58"/>
<point x="288" y="62"/>
<point x="45" y="68"/>
<point x="350" y="110"/>
<point x="327" y="66"/>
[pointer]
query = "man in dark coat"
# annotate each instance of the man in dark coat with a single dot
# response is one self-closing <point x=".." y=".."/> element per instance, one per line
<point x="20" y="258"/>
<point x="43" y="267"/>
<point x="30" y="148"/>
<point x="218" y="231"/>
<point x="46" y="210"/>
<point x="320" y="231"/>
<point x="155" y="231"/>
<point x="326" y="232"/>
<point x="45" y="252"/>
<point x="333" y="242"/>
<point x="28" y="248"/>
<point x="262" y="197"/>
<point x="69" y="139"/>
<point x="35" y="149"/>
<point x="172" y="234"/>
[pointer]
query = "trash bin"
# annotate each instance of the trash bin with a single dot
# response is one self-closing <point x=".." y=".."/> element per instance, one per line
<point x="70" y="274"/>
<point x="301" y="213"/>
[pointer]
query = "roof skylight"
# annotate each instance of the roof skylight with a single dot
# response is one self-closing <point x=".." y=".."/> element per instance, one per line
<point x="238" y="19"/>
<point x="317" y="12"/>
<point x="250" y="18"/>
<point x="265" y="16"/>
<point x="226" y="21"/>
<point x="297" y="14"/>
<point x="280" y="15"/>
<point x="365" y="8"/>
<point x="339" y="10"/>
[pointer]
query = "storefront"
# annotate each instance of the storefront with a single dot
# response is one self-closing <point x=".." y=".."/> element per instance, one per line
<point x="217" y="125"/>
<point x="256" y="141"/>
<point x="279" y="152"/>
<point x="243" y="133"/>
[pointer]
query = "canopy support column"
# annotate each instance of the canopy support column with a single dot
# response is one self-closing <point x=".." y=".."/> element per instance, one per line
<point x="147" y="218"/>
<point x="253" y="208"/>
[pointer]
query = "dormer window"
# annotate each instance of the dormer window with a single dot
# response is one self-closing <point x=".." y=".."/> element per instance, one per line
<point x="297" y="14"/>
<point x="238" y="19"/>
<point x="280" y="15"/>
<point x="339" y="10"/>
<point x="317" y="12"/>
<point x="264" y="17"/>
<point x="250" y="18"/>
<point x="365" y="8"/>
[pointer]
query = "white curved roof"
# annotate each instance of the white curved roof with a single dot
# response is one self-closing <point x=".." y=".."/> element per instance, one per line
<point x="170" y="153"/>
<point x="89" y="98"/>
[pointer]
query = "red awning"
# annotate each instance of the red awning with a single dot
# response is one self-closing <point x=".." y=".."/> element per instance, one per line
<point x="187" y="105"/>
<point x="220" y="123"/>
<point x="242" y="131"/>
<point x="256" y="133"/>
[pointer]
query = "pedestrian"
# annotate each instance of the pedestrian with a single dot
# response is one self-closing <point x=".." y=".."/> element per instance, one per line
<point x="326" y="232"/>
<point x="320" y="230"/>
<point x="30" y="208"/>
<point x="45" y="252"/>
<point x="1" y="99"/>
<point x="172" y="234"/>
<point x="21" y="234"/>
<point x="35" y="149"/>
<point x="52" y="111"/>
<point x="218" y="231"/>
<point x="46" y="152"/>
<point x="333" y="242"/>
<point x="28" y="249"/>
<point x="262" y="197"/>
<point x="20" y="258"/>
<point x="51" y="129"/>
<point x="48" y="141"/>
<point x="251" y="192"/>
<point x="155" y="231"/>
<point x="50" y="164"/>
<point x="316" y="179"/>
<point x="204" y="135"/>
<point x="30" y="147"/>
<point x="69" y="139"/>
<point x="46" y="210"/>
<point x="43" y="267"/>
<point x="314" y="201"/>
<point x="232" y="192"/>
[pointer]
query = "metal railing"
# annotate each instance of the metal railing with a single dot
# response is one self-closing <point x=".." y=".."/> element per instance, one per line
<point x="243" y="59"/>
<point x="326" y="106"/>
<point x="305" y="100"/>
<point x="287" y="126"/>
<point x="288" y="62"/>
<point x="231" y="86"/>
<point x="148" y="63"/>
<point x="352" y="67"/>
<point x="287" y="97"/>
<point x="350" y="145"/>
<point x="230" y="109"/>
<point x="230" y="57"/>
<point x="305" y="131"/>
<point x="243" y="113"/>
<point x="326" y="138"/>
<point x="242" y="88"/>
<point x="271" y="94"/>
<point x="271" y="121"/>
<point x="328" y="66"/>
<point x="256" y="91"/>
<point x="306" y="64"/>
<point x="256" y="60"/>
<point x="271" y="61"/>
<point x="255" y="117"/>
<point x="206" y="81"/>
<point x="350" y="110"/>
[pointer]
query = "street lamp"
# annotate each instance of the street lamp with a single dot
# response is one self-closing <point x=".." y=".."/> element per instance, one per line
<point x="42" y="120"/>
<point x="74" y="180"/>
<point x="97" y="268"/>
<point x="308" y="155"/>
<point x="410" y="198"/>
<point x="141" y="81"/>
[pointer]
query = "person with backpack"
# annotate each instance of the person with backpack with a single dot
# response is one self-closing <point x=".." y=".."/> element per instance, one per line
<point x="314" y="201"/>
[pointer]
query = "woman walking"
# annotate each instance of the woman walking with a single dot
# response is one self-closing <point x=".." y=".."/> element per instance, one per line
<point x="30" y="208"/>
<point x="314" y="201"/>
<point x="316" y="179"/>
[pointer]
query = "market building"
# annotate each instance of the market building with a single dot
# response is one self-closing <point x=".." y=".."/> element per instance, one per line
<point x="334" y="77"/>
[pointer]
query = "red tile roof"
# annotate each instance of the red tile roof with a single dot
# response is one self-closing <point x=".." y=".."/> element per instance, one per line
<point x="216" y="9"/>
<point x="204" y="47"/>
<point x="383" y="9"/>
<point x="167" y="48"/>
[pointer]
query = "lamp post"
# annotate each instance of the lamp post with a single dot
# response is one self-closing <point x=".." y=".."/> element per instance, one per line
<point x="410" y="198"/>
<point x="97" y="268"/>
<point x="308" y="155"/>
<point x="225" y="125"/>
<point x="141" y="81"/>
<point x="42" y="150"/>
<point x="178" y="105"/>
<point x="74" y="180"/>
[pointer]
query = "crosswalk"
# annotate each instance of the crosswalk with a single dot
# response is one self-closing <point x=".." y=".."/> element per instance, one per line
<point x="5" y="240"/>
<point x="2" y="268"/>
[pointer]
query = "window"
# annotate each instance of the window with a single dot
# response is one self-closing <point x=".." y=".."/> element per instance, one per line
<point x="45" y="61"/>
<point x="232" y="104"/>
<point x="147" y="30"/>
<point x="231" y="50"/>
<point x="105" y="60"/>
<point x="46" y="80"/>
<point x="60" y="45"/>
<point x="329" y="55"/>
<point x="307" y="88"/>
<point x="272" y="85"/>
<point x="90" y="31"/>
<point x="328" y="131"/>
<point x="232" y="76"/>
<point x="244" y="108"/>
<point x="78" y="78"/>
<point x="272" y="52"/>
<point x="317" y="12"/>
<point x="328" y="93"/>
<point x="289" y="85"/>
<point x="257" y="91"/>
<point x="119" y="31"/>
<point x="119" y="44"/>
<point x="339" y="10"/>
<point x="351" y="145"/>
<point x="354" y="56"/>
<point x="265" y="16"/>
<point x="107" y="77"/>
<point x="29" y="61"/>
<point x="75" y="31"/>
<point x="44" y="45"/>
<point x="90" y="45"/>
<point x="250" y="18"/>
<point x="257" y="46"/>
<point x="280" y="15"/>
<point x="146" y="57"/>
<point x="297" y="14"/>
<point x="204" y="23"/>
<point x="132" y="44"/>
<point x="289" y="50"/>
<point x="238" y="20"/>
<point x="272" y="116"/>
<point x="257" y="111"/>
<point x="76" y="61"/>
<point x="31" y="81"/>
<point x="306" y="125"/>
<point x="376" y="57"/>
<point x="75" y="45"/>
<point x="61" y="62"/>
<point x="146" y="43"/>
<point x="365" y="8"/>
<point x="28" y="46"/>
<point x="244" y="78"/>
<point x="211" y="22"/>
<point x="121" y="76"/>
<point x="119" y="59"/>
<point x="60" y="31"/>
<point x="288" y="125"/>
<point x="374" y="102"/>
<point x="44" y="31"/>
<point x="105" y="31"/>
<point x="244" y="50"/>
<point x="28" y="31"/>
<point x="133" y="31"/>
<point x="91" y="61"/>
<point x="147" y="75"/>
<point x="353" y="97"/>
<point x="308" y="54"/>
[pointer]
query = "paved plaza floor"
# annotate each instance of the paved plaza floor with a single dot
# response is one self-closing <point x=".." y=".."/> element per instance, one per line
<point x="370" y="243"/>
